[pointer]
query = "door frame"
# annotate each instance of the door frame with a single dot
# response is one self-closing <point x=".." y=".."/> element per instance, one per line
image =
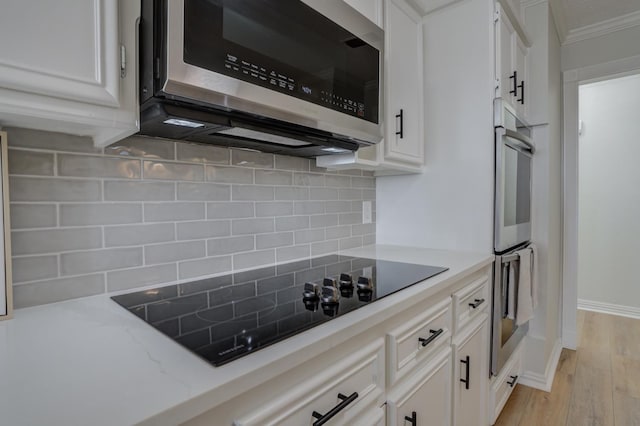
<point x="572" y="79"/>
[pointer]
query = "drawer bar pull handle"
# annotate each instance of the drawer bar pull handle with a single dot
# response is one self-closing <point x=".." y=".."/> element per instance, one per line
<point x="434" y="336"/>
<point x="514" y="77"/>
<point x="521" y="87"/>
<point x="476" y="303"/>
<point x="467" y="363"/>
<point x="401" y="117"/>
<point x="513" y="381"/>
<point x="413" y="419"/>
<point x="345" y="400"/>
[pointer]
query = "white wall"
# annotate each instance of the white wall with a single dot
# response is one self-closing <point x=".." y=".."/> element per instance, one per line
<point x="449" y="206"/>
<point x="609" y="192"/>
<point x="544" y="330"/>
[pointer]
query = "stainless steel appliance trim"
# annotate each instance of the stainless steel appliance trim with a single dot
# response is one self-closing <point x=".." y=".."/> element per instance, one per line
<point x="189" y="82"/>
<point x="500" y="353"/>
<point x="528" y="148"/>
<point x="509" y="258"/>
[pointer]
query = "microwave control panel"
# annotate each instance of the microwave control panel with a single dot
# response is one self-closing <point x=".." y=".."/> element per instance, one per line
<point x="272" y="79"/>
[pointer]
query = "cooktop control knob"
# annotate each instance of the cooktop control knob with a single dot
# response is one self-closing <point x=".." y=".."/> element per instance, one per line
<point x="311" y="304"/>
<point x="329" y="295"/>
<point x="346" y="285"/>
<point x="346" y="280"/>
<point x="310" y="291"/>
<point x="329" y="282"/>
<point x="365" y="284"/>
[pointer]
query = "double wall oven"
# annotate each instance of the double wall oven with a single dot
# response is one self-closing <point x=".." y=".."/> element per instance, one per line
<point x="512" y="227"/>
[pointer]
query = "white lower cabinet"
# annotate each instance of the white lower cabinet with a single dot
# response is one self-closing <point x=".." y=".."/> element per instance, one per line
<point x="404" y="370"/>
<point x="502" y="385"/>
<point x="424" y="398"/>
<point x="347" y="392"/>
<point x="471" y="373"/>
<point x="416" y="340"/>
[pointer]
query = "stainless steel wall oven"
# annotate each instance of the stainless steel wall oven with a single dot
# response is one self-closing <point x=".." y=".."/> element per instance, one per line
<point x="514" y="159"/>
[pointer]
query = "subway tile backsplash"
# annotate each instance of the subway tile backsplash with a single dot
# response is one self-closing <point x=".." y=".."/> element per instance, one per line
<point x="149" y="211"/>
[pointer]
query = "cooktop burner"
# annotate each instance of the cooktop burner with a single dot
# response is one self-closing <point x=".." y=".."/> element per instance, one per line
<point x="224" y="318"/>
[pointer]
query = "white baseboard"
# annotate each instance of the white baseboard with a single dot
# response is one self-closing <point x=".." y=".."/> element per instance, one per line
<point x="609" y="308"/>
<point x="544" y="381"/>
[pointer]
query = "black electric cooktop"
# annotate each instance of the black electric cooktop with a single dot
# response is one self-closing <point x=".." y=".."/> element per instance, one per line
<point x="224" y="318"/>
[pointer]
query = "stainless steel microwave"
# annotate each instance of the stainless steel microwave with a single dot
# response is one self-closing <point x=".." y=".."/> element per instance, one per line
<point x="285" y="76"/>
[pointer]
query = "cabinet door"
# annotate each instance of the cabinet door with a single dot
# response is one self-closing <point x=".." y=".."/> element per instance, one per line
<point x="470" y="374"/>
<point x="505" y="39"/>
<point x="66" y="48"/>
<point x="61" y="67"/>
<point x="404" y="139"/>
<point x="425" y="399"/>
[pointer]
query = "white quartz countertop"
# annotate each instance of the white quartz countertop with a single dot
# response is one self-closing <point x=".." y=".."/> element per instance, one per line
<point x="90" y="362"/>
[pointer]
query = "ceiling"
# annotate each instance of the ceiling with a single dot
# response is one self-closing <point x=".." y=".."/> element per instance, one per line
<point x="583" y="16"/>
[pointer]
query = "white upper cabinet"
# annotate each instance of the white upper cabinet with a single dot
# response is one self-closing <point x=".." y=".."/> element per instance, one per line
<point x="512" y="48"/>
<point x="402" y="148"/>
<point x="404" y="139"/>
<point x="70" y="65"/>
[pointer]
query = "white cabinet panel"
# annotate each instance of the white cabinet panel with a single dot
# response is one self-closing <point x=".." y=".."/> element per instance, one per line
<point x="415" y="341"/>
<point x="356" y="383"/>
<point x="511" y="63"/>
<point x="66" y="49"/>
<point x="60" y="67"/>
<point x="470" y="374"/>
<point x="425" y="399"/>
<point x="471" y="301"/>
<point x="502" y="386"/>
<point x="403" y="137"/>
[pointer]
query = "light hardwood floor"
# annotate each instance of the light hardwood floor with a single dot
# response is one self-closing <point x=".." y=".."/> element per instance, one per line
<point x="598" y="384"/>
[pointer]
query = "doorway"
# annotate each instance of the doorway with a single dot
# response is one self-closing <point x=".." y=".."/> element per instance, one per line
<point x="573" y="79"/>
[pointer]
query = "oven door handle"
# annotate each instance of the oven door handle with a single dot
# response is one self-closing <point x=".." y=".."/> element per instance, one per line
<point x="516" y="140"/>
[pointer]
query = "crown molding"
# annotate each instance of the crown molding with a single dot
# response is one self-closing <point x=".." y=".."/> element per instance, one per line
<point x="602" y="28"/>
<point x="559" y="15"/>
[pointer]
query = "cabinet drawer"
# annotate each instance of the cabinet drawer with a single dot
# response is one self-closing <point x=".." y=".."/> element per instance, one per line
<point x="413" y="342"/>
<point x="470" y="301"/>
<point x="503" y="385"/>
<point x="358" y="379"/>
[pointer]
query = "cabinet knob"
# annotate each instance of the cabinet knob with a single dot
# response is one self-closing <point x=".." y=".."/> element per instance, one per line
<point x="513" y="381"/>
